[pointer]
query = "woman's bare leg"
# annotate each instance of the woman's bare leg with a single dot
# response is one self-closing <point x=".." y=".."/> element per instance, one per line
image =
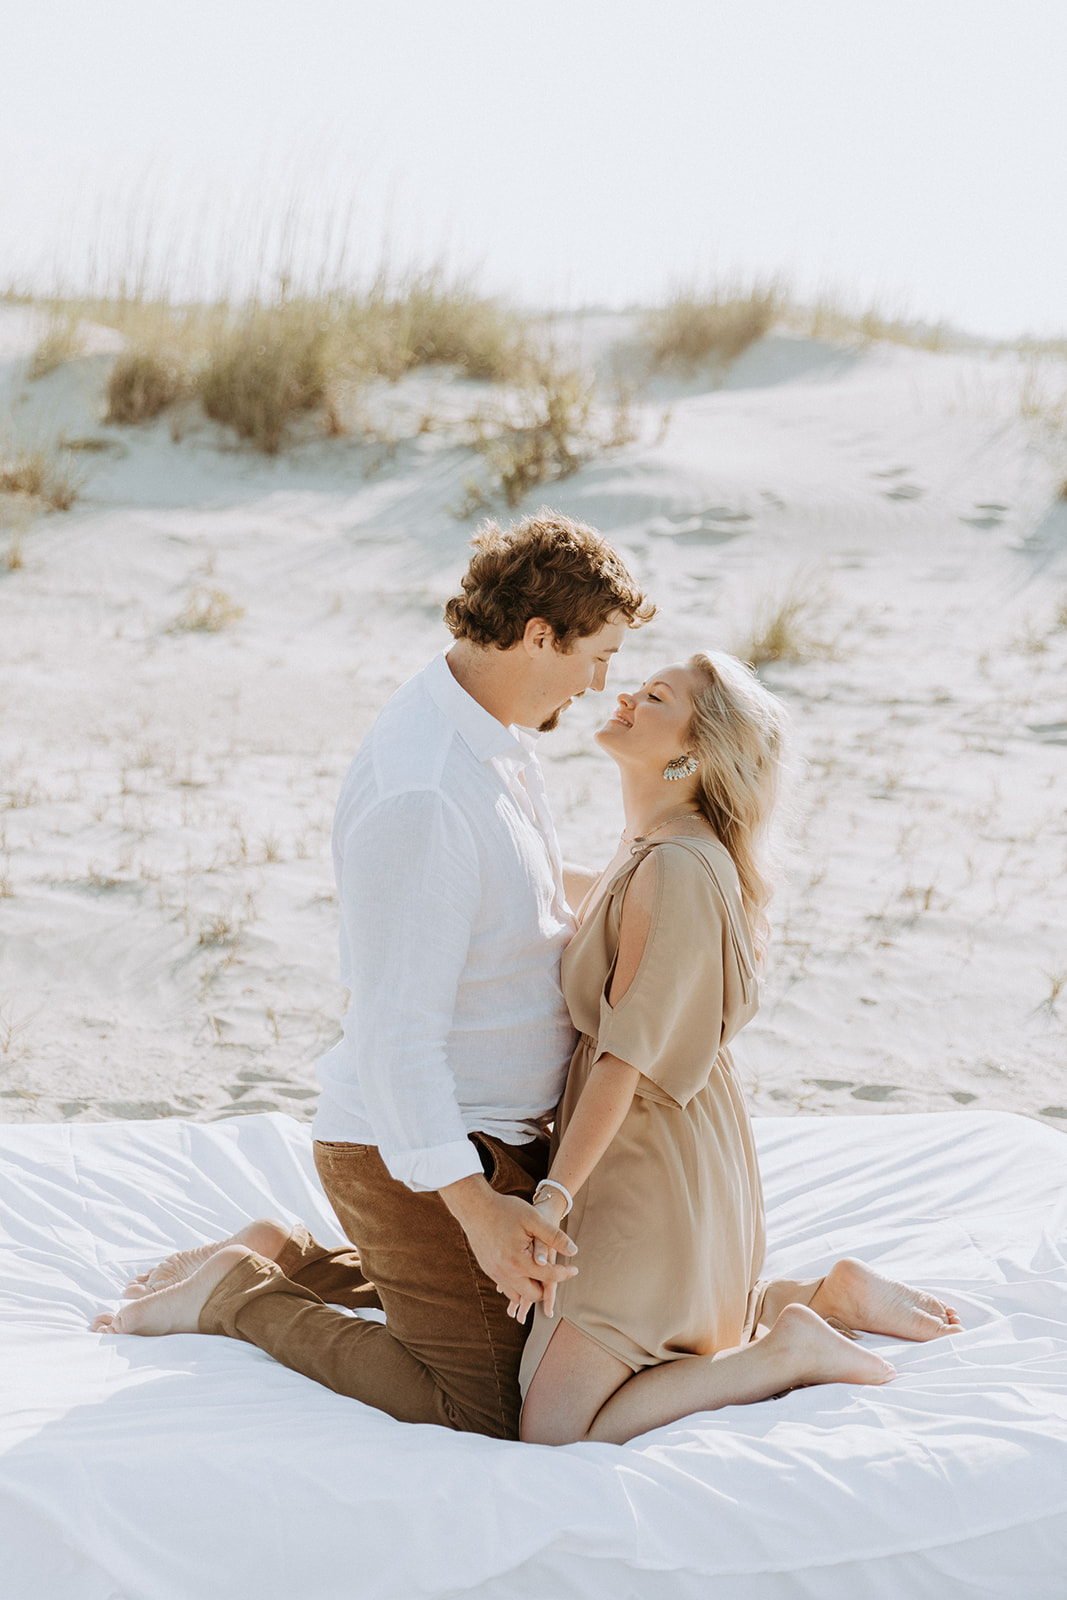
<point x="581" y="1392"/>
<point x="856" y="1296"/>
<point x="265" y="1236"/>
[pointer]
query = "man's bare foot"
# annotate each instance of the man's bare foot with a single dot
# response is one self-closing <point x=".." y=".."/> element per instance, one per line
<point x="811" y="1352"/>
<point x="176" y="1309"/>
<point x="265" y="1236"/>
<point x="854" y="1294"/>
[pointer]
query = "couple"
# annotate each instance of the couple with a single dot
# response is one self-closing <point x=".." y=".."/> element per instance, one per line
<point x="470" y="976"/>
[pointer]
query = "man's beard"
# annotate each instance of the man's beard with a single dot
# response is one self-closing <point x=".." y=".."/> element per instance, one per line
<point x="550" y="722"/>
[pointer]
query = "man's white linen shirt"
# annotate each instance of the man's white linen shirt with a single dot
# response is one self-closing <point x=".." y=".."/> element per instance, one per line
<point x="453" y="921"/>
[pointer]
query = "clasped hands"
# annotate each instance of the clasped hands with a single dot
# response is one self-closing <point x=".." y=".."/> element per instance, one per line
<point x="543" y="1251"/>
<point x="514" y="1243"/>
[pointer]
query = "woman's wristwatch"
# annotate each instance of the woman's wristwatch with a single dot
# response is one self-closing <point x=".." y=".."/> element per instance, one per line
<point x="540" y="1193"/>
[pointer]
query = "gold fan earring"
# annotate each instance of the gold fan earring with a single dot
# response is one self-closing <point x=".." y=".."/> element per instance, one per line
<point x="680" y="767"/>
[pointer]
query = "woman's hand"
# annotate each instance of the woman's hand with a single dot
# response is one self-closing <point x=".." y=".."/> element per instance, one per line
<point x="551" y="1207"/>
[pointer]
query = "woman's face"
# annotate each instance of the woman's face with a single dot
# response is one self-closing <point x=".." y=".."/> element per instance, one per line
<point x="650" y="727"/>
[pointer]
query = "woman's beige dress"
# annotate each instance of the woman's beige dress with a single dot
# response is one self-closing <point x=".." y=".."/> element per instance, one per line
<point x="670" y="1224"/>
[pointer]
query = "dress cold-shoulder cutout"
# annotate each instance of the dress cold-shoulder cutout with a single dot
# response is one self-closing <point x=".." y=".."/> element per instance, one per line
<point x="670" y="1224"/>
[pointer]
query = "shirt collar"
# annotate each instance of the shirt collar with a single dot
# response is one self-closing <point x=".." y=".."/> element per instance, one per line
<point x="484" y="735"/>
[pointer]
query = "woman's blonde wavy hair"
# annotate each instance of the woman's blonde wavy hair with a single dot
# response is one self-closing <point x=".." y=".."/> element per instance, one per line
<point x="738" y="736"/>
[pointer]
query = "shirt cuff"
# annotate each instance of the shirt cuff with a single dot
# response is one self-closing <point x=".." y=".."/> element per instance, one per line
<point x="442" y="1164"/>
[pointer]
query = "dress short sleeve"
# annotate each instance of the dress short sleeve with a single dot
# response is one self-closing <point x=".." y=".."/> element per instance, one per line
<point x="695" y="986"/>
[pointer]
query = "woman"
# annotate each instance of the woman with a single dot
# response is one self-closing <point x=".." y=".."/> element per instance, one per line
<point x="653" y="1139"/>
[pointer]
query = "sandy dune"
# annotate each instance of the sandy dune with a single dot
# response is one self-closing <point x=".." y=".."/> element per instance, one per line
<point x="168" y="919"/>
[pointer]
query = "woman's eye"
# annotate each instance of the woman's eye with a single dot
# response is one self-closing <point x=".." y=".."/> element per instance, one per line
<point x="656" y="698"/>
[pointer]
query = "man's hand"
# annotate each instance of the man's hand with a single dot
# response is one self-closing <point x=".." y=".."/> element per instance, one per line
<point x="505" y="1234"/>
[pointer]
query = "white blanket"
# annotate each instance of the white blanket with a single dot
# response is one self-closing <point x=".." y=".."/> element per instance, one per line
<point x="189" y="1468"/>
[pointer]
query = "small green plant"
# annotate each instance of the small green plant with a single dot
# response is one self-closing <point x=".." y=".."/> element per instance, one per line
<point x="207" y="611"/>
<point x="707" y="328"/>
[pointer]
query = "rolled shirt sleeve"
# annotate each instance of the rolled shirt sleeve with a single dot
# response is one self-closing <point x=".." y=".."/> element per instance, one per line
<point x="409" y="891"/>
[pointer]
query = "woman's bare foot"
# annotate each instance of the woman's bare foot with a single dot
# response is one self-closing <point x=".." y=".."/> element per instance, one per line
<point x="265" y="1236"/>
<point x="854" y="1294"/>
<point x="809" y="1351"/>
<point x="176" y="1309"/>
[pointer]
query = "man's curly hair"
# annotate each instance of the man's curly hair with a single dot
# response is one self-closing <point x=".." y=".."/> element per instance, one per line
<point x="544" y="566"/>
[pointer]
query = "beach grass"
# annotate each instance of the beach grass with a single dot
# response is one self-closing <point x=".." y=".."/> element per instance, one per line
<point x="707" y="327"/>
<point x="62" y="341"/>
<point x="786" y="626"/>
<point x="543" y="429"/>
<point x="41" y="472"/>
<point x="257" y="366"/>
<point x="207" y="611"/>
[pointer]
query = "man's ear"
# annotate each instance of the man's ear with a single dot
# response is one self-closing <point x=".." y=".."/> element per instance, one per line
<point x="538" y="635"/>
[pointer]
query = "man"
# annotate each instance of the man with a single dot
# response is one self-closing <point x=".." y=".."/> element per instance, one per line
<point x="430" y="1133"/>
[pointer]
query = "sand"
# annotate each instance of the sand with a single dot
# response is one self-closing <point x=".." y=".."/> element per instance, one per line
<point x="168" y="917"/>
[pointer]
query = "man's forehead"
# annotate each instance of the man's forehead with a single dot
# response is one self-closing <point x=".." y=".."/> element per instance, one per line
<point x="610" y="637"/>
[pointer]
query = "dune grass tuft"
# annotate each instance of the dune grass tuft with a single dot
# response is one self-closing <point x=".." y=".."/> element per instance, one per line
<point x="144" y="382"/>
<point x="830" y="318"/>
<point x="707" y="328"/>
<point x="542" y="430"/>
<point x="61" y="341"/>
<point x="785" y="626"/>
<point x="426" y="320"/>
<point x="41" y="472"/>
<point x="266" y="368"/>
<point x="207" y="611"/>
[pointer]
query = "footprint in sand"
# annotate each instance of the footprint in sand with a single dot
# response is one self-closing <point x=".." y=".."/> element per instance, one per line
<point x="990" y="514"/>
<point x="831" y="1083"/>
<point x="139" y="1110"/>
<point x="962" y="1097"/>
<point x="904" y="491"/>
<point x="874" y="1091"/>
<point x="1048" y="732"/>
<point x="1053" y="1111"/>
<point x="716" y="525"/>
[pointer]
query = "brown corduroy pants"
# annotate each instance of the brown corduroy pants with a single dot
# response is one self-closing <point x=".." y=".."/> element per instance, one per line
<point x="448" y="1352"/>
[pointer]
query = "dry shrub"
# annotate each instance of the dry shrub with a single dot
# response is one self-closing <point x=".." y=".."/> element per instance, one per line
<point x="438" y="322"/>
<point x="785" y="626"/>
<point x="207" y="611"/>
<point x="143" y="383"/>
<point x="543" y="431"/>
<point x="41" y="471"/>
<point x="265" y="369"/>
<point x="829" y="318"/>
<point x="61" y="341"/>
<point x="711" y="328"/>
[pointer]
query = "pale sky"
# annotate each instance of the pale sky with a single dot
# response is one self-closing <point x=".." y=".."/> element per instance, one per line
<point x="592" y="152"/>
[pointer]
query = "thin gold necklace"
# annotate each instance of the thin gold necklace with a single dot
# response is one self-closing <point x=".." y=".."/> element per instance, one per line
<point x="675" y="816"/>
